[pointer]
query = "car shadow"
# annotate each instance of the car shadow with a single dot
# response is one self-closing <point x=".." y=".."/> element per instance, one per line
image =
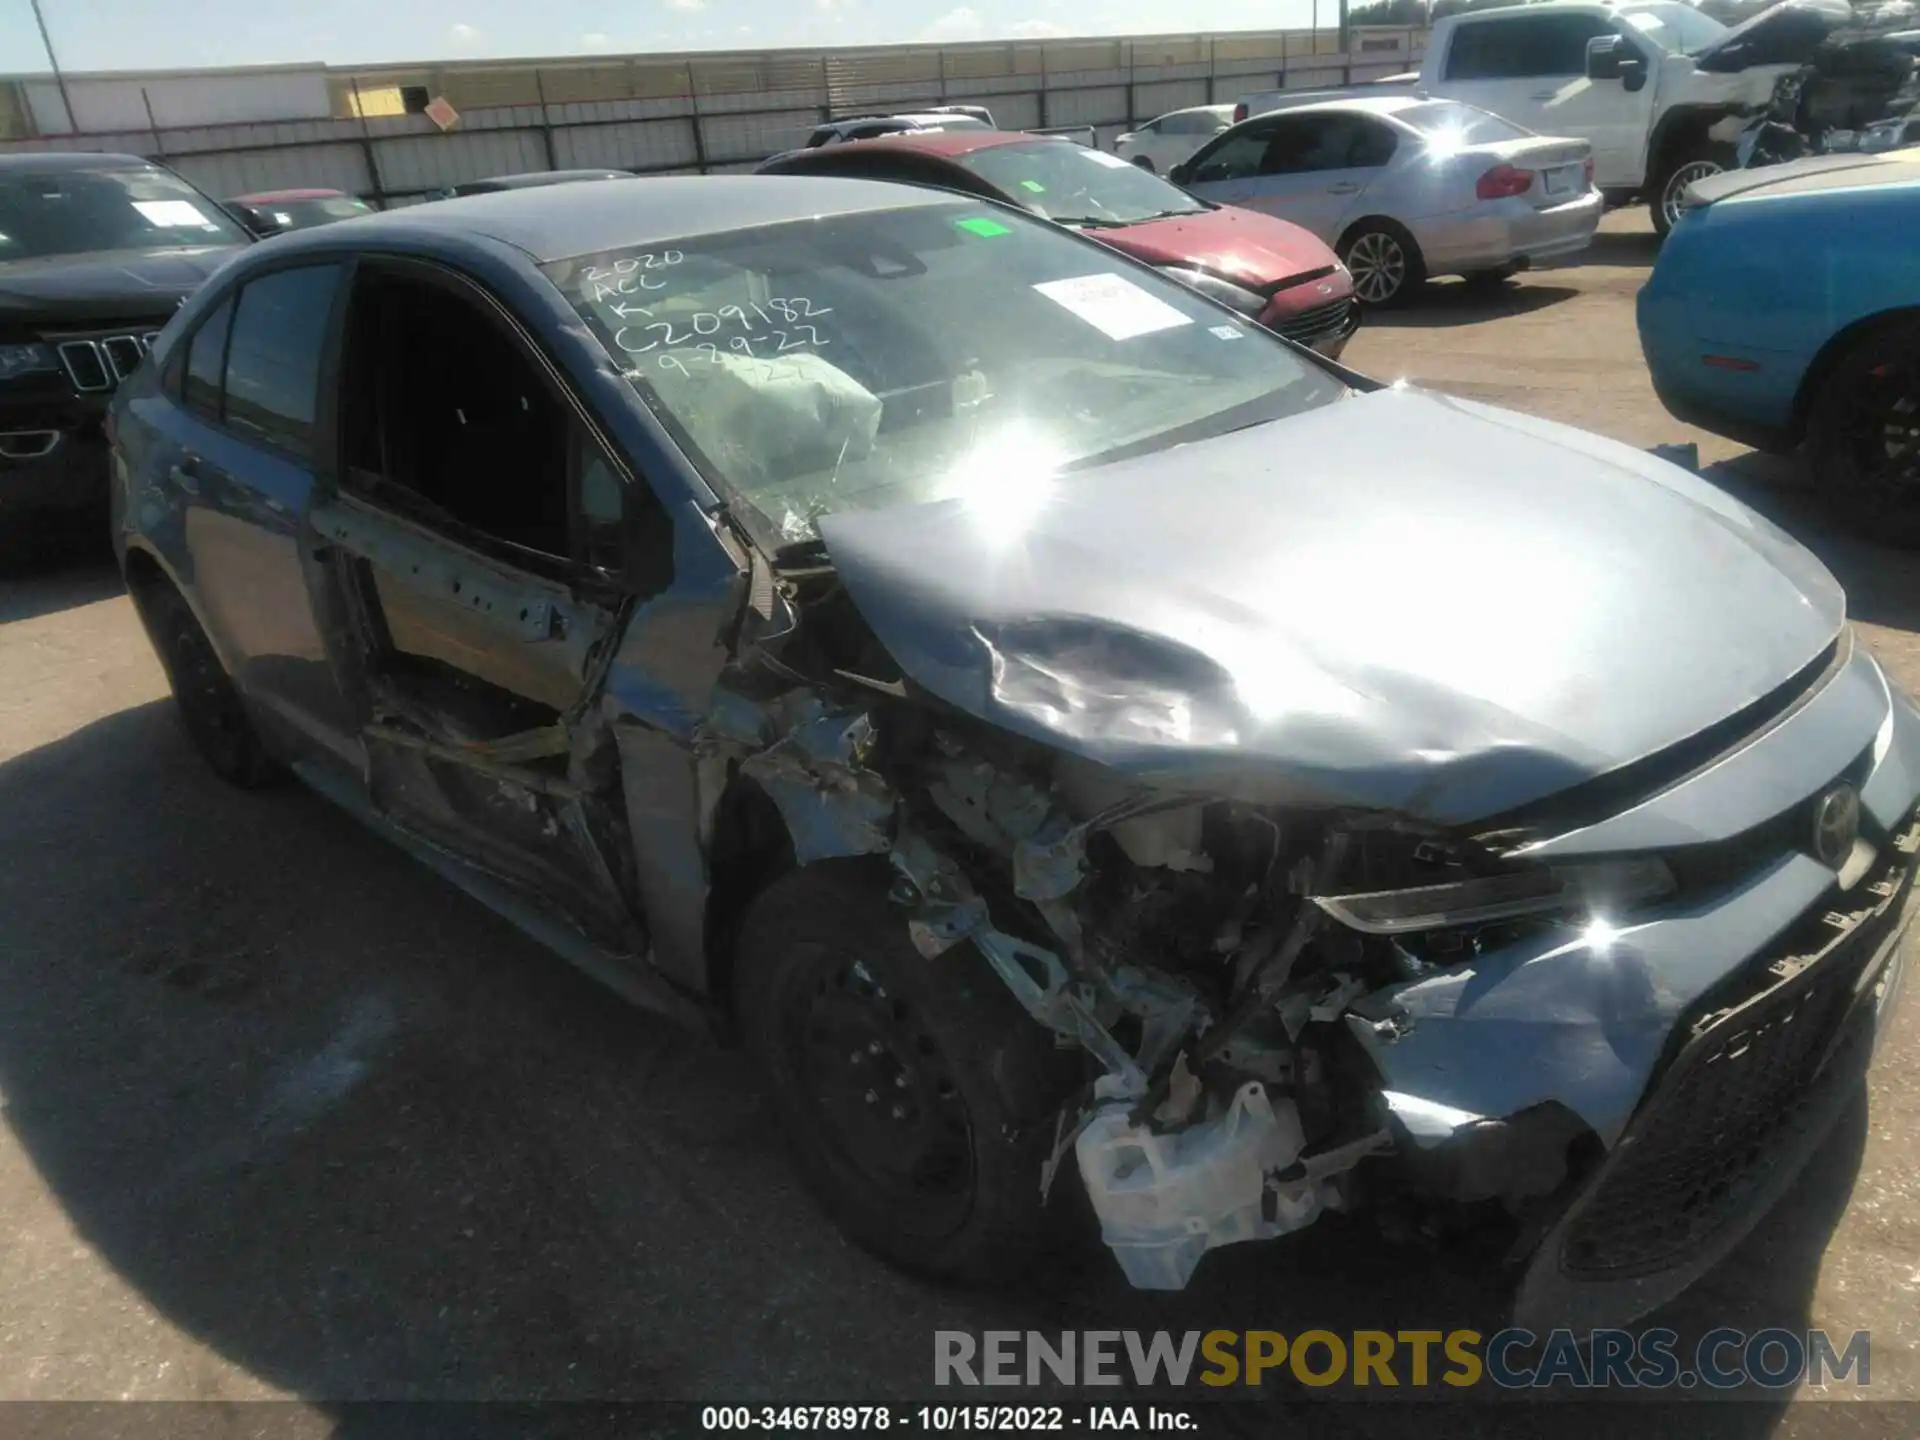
<point x="1882" y="582"/>
<point x="1624" y="248"/>
<point x="1443" y="304"/>
<point x="338" y="1124"/>
<point x="59" y="576"/>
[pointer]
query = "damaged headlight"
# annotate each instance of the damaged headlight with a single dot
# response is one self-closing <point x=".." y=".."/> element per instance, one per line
<point x="1599" y="887"/>
<point x="1248" y="302"/>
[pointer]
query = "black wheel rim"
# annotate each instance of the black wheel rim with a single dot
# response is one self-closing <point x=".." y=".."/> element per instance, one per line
<point x="1875" y="430"/>
<point x="890" y="1108"/>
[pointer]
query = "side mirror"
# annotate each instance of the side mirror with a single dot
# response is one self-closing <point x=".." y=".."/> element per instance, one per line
<point x="1609" y="57"/>
<point x="1181" y="173"/>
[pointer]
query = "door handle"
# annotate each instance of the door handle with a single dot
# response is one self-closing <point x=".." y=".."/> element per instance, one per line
<point x="1345" y="187"/>
<point x="185" y="478"/>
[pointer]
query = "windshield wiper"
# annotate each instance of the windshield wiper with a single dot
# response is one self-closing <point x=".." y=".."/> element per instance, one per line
<point x="1090" y="222"/>
<point x="1173" y="214"/>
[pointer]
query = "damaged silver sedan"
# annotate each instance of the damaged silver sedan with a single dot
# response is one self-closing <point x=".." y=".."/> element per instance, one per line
<point x="1069" y="734"/>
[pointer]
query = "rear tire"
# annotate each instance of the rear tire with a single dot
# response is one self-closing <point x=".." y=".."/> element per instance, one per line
<point x="1863" y="434"/>
<point x="1697" y="162"/>
<point x="209" y="705"/>
<point x="1145" y="162"/>
<point x="1491" y="282"/>
<point x="1385" y="263"/>
<point x="917" y="1096"/>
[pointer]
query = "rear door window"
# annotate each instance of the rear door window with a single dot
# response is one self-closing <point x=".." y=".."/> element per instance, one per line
<point x="1524" y="47"/>
<point x="206" y="362"/>
<point x="1309" y="144"/>
<point x="273" y="359"/>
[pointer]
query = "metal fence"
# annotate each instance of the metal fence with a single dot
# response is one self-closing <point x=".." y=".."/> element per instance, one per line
<point x="705" y="113"/>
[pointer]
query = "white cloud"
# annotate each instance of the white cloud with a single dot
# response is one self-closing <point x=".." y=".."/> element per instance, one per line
<point x="963" y="23"/>
<point x="833" y="7"/>
<point x="463" y="37"/>
<point x="1038" y="30"/>
<point x="686" y="4"/>
<point x="596" y="40"/>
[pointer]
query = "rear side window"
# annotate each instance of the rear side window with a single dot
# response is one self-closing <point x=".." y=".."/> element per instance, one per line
<point x="273" y="360"/>
<point x="206" y="359"/>
<point x="1523" y="48"/>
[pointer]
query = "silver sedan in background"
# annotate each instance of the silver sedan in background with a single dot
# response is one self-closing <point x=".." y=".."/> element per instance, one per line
<point x="1405" y="188"/>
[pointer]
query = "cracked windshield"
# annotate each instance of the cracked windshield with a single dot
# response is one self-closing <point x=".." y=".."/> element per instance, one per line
<point x="927" y="353"/>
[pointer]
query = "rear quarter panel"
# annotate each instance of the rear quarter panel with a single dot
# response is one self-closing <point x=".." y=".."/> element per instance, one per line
<point x="1768" y="279"/>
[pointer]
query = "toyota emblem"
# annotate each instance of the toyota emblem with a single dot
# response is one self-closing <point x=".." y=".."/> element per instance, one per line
<point x="1836" y="825"/>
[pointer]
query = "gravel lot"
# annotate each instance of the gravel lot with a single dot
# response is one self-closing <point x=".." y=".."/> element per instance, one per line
<point x="288" y="1116"/>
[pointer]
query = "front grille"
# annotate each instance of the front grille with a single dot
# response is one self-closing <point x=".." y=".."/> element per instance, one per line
<point x="1750" y="1064"/>
<point x="100" y="362"/>
<point x="1306" y="326"/>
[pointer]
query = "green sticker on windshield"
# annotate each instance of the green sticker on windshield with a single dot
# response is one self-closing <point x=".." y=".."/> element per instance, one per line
<point x="1034" y="185"/>
<point x="980" y="225"/>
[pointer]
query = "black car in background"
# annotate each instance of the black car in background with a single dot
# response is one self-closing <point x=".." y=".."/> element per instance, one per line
<point x="274" y="212"/>
<point x="96" y="253"/>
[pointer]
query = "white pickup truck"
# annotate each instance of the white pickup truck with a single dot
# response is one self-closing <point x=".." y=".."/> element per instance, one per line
<point x="1658" y="89"/>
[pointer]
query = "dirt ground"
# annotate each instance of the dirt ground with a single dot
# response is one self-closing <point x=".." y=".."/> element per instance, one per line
<point x="288" y="1116"/>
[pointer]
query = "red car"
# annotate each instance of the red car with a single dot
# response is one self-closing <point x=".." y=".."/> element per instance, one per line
<point x="1267" y="269"/>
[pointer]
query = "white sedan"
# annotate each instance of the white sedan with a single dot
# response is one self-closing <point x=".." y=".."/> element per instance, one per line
<point x="1405" y="188"/>
<point x="1161" y="144"/>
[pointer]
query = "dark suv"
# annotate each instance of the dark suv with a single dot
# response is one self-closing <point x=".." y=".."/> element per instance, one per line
<point x="96" y="253"/>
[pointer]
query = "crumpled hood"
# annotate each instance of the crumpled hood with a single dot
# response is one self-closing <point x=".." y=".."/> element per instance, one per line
<point x="1399" y="600"/>
<point x="1238" y="245"/>
<point x="1785" y="34"/>
<point x="110" y="285"/>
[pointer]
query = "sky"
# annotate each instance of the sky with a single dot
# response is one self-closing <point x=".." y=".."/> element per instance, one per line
<point x="178" y="34"/>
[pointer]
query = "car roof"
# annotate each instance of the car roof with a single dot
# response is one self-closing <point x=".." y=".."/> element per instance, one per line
<point x="1362" y="104"/>
<point x="527" y="180"/>
<point x="587" y="219"/>
<point x="267" y="197"/>
<point x="947" y="144"/>
<point x="55" y="160"/>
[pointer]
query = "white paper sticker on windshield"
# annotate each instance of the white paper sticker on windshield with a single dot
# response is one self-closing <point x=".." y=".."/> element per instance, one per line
<point x="1113" y="305"/>
<point x="1105" y="159"/>
<point x="172" y="213"/>
<point x="1225" y="332"/>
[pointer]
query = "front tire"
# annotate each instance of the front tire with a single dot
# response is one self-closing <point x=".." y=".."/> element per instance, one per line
<point x="1385" y="263"/>
<point x="916" y="1094"/>
<point x="1863" y="434"/>
<point x="1697" y="163"/>
<point x="204" y="695"/>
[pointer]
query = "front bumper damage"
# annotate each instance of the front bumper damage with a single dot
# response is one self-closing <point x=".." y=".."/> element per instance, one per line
<point x="1254" y="1060"/>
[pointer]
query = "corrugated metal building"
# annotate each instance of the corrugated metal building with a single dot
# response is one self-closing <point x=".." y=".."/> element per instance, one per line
<point x="361" y="129"/>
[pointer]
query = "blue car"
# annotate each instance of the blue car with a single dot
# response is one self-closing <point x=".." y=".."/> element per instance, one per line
<point x="1785" y="310"/>
<point x="892" y="629"/>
